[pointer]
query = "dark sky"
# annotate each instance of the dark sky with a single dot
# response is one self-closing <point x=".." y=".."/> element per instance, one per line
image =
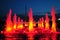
<point x="18" y="6"/>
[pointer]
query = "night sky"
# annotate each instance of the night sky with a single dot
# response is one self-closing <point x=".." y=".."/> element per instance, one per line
<point x="18" y="6"/>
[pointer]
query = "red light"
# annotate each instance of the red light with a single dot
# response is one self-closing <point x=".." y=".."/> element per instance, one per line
<point x="16" y="26"/>
<point x="47" y="22"/>
<point x="53" y="20"/>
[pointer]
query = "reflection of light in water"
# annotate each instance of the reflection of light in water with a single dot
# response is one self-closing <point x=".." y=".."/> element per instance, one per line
<point x="47" y="38"/>
<point x="44" y="38"/>
<point x="54" y="37"/>
<point x="30" y="37"/>
<point x="10" y="38"/>
<point x="13" y="38"/>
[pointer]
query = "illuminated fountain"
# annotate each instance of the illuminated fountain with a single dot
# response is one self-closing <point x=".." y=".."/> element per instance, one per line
<point x="16" y="26"/>
<point x="53" y="20"/>
<point x="30" y="20"/>
<point x="14" y="22"/>
<point x="47" y="22"/>
<point x="20" y="24"/>
<point x="8" y="28"/>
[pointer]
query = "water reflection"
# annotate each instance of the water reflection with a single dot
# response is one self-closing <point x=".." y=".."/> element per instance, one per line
<point x="44" y="37"/>
<point x="47" y="38"/>
<point x="10" y="38"/>
<point x="13" y="39"/>
<point x="51" y="37"/>
<point x="54" y="37"/>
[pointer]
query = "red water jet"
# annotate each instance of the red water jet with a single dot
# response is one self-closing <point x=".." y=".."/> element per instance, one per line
<point x="39" y="23"/>
<point x="47" y="22"/>
<point x="14" y="21"/>
<point x="20" y="24"/>
<point x="42" y="23"/>
<point x="8" y="27"/>
<point x="53" y="20"/>
<point x="30" y="20"/>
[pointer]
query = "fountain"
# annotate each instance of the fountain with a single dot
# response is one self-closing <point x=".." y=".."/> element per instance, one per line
<point x="16" y="26"/>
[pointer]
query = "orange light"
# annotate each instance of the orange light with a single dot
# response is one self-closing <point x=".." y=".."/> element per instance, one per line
<point x="26" y="24"/>
<point x="53" y="20"/>
<point x="20" y="23"/>
<point x="39" y="23"/>
<point x="47" y="22"/>
<point x="34" y="23"/>
<point x="8" y="29"/>
<point x="14" y="26"/>
<point x="30" y="26"/>
<point x="42" y="23"/>
<point x="20" y="26"/>
<point x="14" y="21"/>
<point x="47" y="26"/>
<point x="30" y="20"/>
